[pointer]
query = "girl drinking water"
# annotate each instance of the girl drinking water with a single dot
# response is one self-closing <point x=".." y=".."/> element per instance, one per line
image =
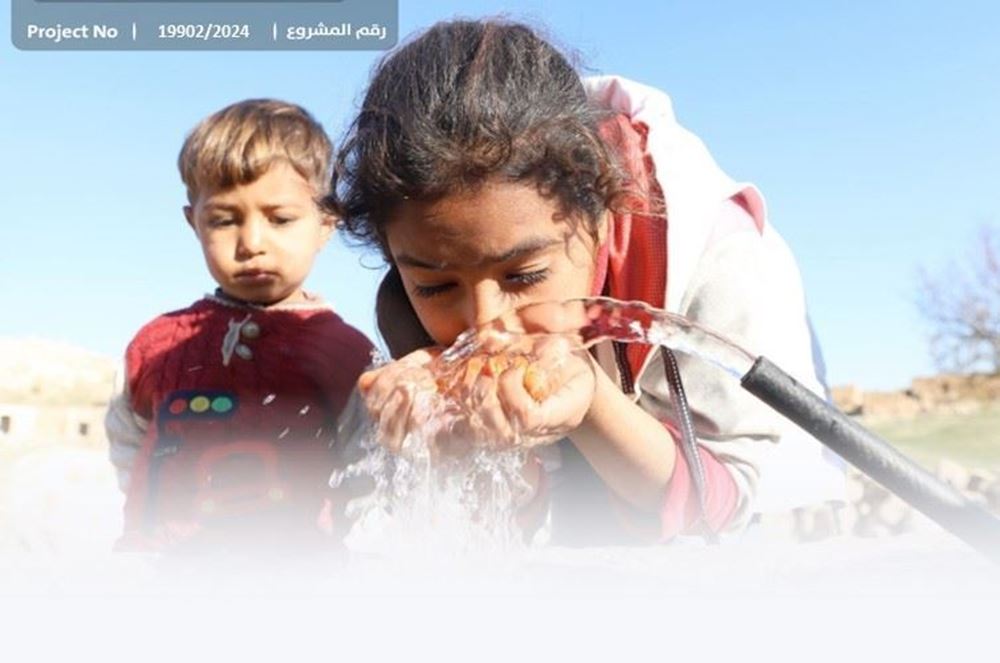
<point x="490" y="176"/>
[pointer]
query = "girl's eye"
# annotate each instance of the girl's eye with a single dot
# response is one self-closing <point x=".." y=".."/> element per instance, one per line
<point x="431" y="290"/>
<point x="529" y="278"/>
<point x="517" y="280"/>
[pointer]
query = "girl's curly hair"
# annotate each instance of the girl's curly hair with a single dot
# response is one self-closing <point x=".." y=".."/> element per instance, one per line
<point x="467" y="102"/>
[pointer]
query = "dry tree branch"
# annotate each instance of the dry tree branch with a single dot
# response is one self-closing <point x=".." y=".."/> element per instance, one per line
<point x="961" y="307"/>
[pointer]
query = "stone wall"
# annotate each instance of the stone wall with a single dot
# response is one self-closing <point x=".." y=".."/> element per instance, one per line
<point x="52" y="393"/>
<point x="74" y="425"/>
<point x="946" y="393"/>
<point x="871" y="511"/>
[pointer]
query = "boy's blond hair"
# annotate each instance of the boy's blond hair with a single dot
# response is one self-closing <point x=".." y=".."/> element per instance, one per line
<point x="237" y="144"/>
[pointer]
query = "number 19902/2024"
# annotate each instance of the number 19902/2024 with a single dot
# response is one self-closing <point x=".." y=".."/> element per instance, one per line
<point x="203" y="31"/>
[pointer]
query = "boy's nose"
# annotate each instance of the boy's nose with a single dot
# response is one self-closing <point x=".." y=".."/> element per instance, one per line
<point x="251" y="240"/>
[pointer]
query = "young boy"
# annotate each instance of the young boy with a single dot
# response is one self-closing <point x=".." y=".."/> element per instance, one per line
<point x="223" y="426"/>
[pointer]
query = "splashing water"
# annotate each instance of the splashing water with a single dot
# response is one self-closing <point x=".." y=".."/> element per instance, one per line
<point x="424" y="508"/>
<point x="462" y="502"/>
<point x="587" y="321"/>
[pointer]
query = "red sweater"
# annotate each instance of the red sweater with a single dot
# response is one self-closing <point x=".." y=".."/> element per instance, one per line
<point x="242" y="403"/>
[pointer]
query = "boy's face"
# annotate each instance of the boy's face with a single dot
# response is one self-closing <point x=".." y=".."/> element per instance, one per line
<point x="260" y="239"/>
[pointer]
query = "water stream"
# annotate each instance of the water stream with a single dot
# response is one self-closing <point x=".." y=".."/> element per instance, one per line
<point x="467" y="500"/>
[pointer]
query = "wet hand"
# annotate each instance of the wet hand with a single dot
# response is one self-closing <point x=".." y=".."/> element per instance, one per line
<point x="524" y="396"/>
<point x="391" y="393"/>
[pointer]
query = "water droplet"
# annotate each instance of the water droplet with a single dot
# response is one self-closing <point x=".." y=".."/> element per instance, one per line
<point x="283" y="433"/>
<point x="304" y="409"/>
<point x="269" y="399"/>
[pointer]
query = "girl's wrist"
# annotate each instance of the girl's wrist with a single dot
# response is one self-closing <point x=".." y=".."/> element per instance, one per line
<point x="602" y="382"/>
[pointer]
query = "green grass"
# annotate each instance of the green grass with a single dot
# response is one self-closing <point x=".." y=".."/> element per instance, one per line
<point x="972" y="440"/>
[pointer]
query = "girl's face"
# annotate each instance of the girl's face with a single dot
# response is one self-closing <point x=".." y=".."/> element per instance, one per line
<point x="469" y="257"/>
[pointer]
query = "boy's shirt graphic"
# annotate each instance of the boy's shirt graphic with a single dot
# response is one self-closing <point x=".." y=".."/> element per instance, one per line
<point x="239" y="405"/>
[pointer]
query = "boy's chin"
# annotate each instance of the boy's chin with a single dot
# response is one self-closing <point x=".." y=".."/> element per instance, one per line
<point x="263" y="297"/>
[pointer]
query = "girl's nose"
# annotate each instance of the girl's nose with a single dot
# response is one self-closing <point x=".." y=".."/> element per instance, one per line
<point x="487" y="303"/>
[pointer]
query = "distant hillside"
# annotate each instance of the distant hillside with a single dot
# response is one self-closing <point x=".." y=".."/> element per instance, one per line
<point x="42" y="372"/>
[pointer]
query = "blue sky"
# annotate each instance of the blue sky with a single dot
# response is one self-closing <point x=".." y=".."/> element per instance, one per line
<point x="873" y="130"/>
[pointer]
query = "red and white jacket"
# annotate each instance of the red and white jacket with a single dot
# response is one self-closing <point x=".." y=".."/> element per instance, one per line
<point x="716" y="260"/>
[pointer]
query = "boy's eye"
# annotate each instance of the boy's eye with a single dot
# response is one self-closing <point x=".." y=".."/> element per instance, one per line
<point x="282" y="220"/>
<point x="218" y="222"/>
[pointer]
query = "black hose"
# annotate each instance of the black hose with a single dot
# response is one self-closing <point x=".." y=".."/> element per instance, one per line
<point x="875" y="457"/>
<point x="689" y="441"/>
